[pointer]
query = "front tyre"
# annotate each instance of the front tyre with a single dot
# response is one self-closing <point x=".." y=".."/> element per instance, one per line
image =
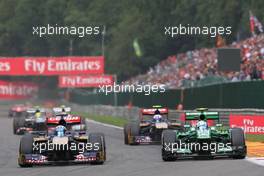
<point x="126" y="134"/>
<point x="238" y="143"/>
<point x="15" y="125"/>
<point x="169" y="138"/>
<point x="25" y="147"/>
<point x="101" y="152"/>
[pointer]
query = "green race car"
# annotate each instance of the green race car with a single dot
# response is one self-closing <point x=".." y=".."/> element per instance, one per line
<point x="203" y="141"/>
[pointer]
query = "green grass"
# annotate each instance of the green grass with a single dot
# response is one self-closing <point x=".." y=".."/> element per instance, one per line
<point x="255" y="137"/>
<point x="117" y="121"/>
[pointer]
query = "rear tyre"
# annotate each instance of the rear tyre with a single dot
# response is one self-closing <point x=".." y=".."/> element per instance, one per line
<point x="83" y="122"/>
<point x="100" y="139"/>
<point x="26" y="147"/>
<point x="134" y="131"/>
<point x="20" y="123"/>
<point x="169" y="138"/>
<point x="238" y="143"/>
<point x="126" y="133"/>
<point x="15" y="125"/>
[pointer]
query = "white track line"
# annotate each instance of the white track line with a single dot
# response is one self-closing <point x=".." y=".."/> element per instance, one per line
<point x="258" y="161"/>
<point x="103" y="124"/>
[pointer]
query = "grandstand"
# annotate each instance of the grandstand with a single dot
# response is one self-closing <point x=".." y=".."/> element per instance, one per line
<point x="199" y="67"/>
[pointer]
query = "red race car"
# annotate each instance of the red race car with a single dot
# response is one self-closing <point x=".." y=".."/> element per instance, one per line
<point x="149" y="127"/>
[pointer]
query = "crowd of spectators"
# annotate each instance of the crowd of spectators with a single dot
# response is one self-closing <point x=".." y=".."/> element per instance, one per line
<point x="201" y="64"/>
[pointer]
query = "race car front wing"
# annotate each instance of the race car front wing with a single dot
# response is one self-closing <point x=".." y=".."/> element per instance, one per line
<point x="38" y="159"/>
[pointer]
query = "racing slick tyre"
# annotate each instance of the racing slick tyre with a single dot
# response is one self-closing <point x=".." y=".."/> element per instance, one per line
<point x="26" y="147"/>
<point x="83" y="122"/>
<point x="134" y="131"/>
<point x="100" y="139"/>
<point x="20" y="123"/>
<point x="126" y="133"/>
<point x="169" y="138"/>
<point x="238" y="143"/>
<point x="15" y="125"/>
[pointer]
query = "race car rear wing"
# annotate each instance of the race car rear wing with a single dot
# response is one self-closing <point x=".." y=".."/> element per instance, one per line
<point x="68" y="118"/>
<point x="196" y="115"/>
<point x="60" y="109"/>
<point x="151" y="111"/>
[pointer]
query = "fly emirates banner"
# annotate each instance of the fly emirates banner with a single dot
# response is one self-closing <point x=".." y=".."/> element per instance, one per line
<point x="17" y="90"/>
<point x="47" y="66"/>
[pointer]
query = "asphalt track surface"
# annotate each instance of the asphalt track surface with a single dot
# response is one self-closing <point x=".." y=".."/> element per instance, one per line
<point x="121" y="160"/>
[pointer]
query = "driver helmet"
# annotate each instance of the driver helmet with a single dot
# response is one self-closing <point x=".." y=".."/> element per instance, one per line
<point x="202" y="117"/>
<point x="37" y="113"/>
<point x="202" y="124"/>
<point x="157" y="117"/>
<point x="60" y="130"/>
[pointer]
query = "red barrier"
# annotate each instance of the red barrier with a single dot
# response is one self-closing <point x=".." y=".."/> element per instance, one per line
<point x="85" y="81"/>
<point x="252" y="124"/>
<point x="71" y="65"/>
<point x="17" y="90"/>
